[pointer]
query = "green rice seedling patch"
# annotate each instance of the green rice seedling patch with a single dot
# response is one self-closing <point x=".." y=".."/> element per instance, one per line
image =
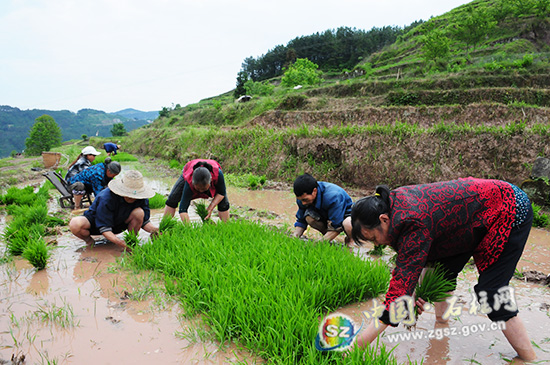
<point x="260" y="286"/>
<point x="247" y="181"/>
<point x="120" y="157"/>
<point x="157" y="202"/>
<point x="37" y="253"/>
<point x="18" y="234"/>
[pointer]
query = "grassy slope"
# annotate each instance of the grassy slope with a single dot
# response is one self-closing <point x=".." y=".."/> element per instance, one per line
<point x="483" y="113"/>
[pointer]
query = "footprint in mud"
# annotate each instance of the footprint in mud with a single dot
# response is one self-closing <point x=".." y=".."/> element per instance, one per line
<point x="88" y="259"/>
<point x="112" y="319"/>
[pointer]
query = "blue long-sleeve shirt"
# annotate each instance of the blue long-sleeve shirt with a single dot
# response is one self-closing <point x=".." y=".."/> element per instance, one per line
<point x="111" y="210"/>
<point x="94" y="176"/>
<point x="332" y="202"/>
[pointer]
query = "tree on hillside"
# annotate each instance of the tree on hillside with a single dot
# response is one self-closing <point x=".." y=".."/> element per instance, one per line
<point x="474" y="26"/>
<point x="118" y="130"/>
<point x="44" y="134"/>
<point x="302" y="72"/>
<point x="242" y="78"/>
<point x="435" y="45"/>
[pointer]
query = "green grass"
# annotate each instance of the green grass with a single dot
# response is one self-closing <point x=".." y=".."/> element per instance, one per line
<point x="257" y="285"/>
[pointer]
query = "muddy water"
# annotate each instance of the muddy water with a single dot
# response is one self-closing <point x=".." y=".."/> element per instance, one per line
<point x="104" y="322"/>
<point x="108" y="326"/>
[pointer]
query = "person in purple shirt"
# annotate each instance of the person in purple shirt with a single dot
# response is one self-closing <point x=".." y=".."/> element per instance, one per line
<point x="124" y="205"/>
<point x="324" y="206"/>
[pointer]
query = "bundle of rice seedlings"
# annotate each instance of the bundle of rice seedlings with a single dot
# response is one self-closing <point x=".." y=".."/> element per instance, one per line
<point x="378" y="250"/>
<point x="130" y="238"/>
<point x="167" y="223"/>
<point x="200" y="208"/>
<point x="37" y="253"/>
<point x="434" y="287"/>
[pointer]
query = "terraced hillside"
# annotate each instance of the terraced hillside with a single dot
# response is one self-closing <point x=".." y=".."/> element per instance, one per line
<point x="398" y="118"/>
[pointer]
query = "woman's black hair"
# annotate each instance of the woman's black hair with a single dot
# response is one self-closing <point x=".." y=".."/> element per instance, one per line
<point x="203" y="164"/>
<point x="366" y="212"/>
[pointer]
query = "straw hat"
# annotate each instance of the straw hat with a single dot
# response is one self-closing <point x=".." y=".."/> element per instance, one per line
<point x="90" y="150"/>
<point x="131" y="185"/>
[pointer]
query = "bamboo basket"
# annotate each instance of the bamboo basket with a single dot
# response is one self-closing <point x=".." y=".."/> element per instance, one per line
<point x="51" y="159"/>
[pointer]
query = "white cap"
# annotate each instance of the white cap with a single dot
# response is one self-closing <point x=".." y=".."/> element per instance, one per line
<point x="89" y="150"/>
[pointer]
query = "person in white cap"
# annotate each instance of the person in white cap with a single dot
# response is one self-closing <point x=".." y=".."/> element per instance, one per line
<point x="123" y="205"/>
<point x="83" y="161"/>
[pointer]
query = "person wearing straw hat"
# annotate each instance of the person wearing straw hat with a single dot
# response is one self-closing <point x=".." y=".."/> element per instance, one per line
<point x="83" y="161"/>
<point x="123" y="205"/>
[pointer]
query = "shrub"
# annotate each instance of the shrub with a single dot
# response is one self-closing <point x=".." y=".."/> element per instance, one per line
<point x="540" y="219"/>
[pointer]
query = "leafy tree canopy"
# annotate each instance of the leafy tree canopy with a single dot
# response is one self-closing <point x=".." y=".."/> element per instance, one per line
<point x="118" y="130"/>
<point x="301" y="72"/>
<point x="44" y="135"/>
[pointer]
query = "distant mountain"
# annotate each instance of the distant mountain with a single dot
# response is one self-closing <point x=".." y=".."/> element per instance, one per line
<point x="137" y="114"/>
<point x="15" y="124"/>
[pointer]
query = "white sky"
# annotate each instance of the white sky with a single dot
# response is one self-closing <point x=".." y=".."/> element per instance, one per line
<point x="145" y="54"/>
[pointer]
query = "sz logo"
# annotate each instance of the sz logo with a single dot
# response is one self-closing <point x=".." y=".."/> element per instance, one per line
<point x="336" y="333"/>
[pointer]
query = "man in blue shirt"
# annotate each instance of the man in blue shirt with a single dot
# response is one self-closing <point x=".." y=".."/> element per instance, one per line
<point x="324" y="206"/>
<point x="123" y="205"/>
<point x="110" y="147"/>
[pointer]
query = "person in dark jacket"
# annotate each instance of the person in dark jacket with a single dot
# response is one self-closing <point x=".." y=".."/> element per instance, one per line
<point x="199" y="179"/>
<point x="447" y="223"/>
<point x="324" y="206"/>
<point x="83" y="161"/>
<point x="123" y="205"/>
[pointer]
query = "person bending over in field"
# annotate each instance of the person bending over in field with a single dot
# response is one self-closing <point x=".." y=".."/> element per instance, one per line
<point x="324" y="206"/>
<point x="123" y="205"/>
<point x="447" y="223"/>
<point x="199" y="179"/>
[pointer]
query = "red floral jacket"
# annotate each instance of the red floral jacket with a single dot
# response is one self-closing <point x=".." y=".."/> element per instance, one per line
<point x="433" y="221"/>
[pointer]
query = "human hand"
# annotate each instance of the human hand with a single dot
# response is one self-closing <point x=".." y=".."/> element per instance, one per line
<point x="421" y="305"/>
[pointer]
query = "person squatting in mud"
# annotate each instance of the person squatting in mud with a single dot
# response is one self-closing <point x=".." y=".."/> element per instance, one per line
<point x="324" y="206"/>
<point x="123" y="205"/>
<point x="447" y="223"/>
<point x="199" y="179"/>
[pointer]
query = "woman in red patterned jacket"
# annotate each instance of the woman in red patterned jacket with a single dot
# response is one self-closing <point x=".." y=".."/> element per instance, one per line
<point x="448" y="223"/>
<point x="199" y="179"/>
